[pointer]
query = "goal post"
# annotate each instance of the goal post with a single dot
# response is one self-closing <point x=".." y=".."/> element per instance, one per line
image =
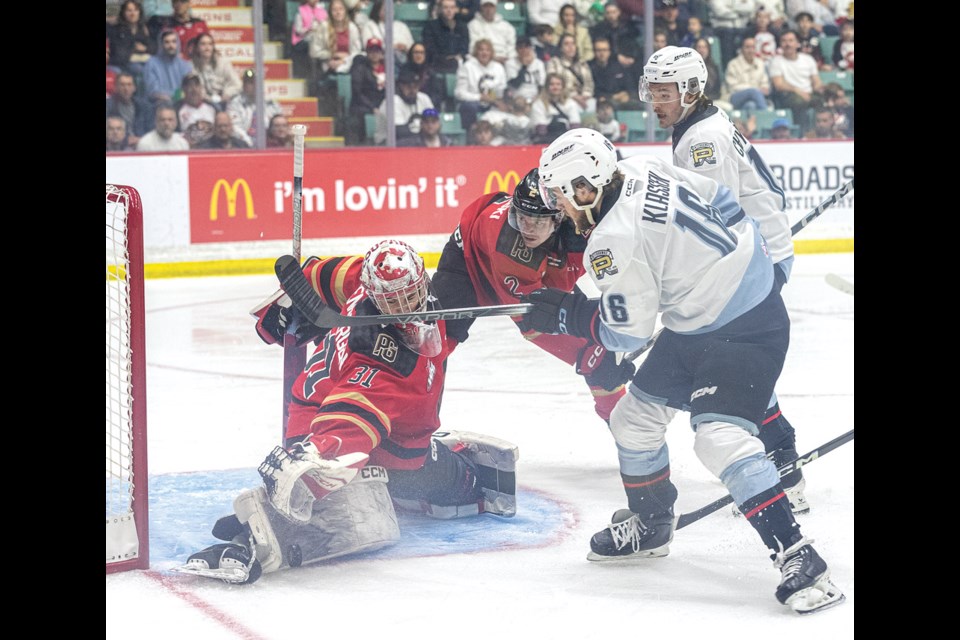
<point x="126" y="477"/>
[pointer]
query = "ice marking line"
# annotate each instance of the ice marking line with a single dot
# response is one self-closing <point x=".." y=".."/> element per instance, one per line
<point x="169" y="583"/>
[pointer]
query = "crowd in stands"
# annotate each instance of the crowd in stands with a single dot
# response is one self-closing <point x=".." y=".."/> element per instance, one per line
<point x="497" y="72"/>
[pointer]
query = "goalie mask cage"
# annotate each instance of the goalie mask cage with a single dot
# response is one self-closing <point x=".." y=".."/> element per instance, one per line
<point x="127" y="533"/>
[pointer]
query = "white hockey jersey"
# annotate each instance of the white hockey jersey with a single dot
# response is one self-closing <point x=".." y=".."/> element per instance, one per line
<point x="709" y="144"/>
<point x="676" y="243"/>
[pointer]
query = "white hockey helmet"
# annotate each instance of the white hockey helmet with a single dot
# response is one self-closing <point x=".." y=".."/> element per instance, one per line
<point x="577" y="155"/>
<point x="681" y="65"/>
<point x="393" y="276"/>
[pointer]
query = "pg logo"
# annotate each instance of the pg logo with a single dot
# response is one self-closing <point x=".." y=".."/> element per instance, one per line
<point x="504" y="183"/>
<point x="231" y="191"/>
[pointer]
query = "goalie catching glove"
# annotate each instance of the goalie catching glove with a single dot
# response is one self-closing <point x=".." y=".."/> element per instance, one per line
<point x="556" y="311"/>
<point x="601" y="368"/>
<point x="276" y="316"/>
<point x="297" y="477"/>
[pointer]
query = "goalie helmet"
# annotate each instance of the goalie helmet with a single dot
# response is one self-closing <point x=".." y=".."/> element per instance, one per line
<point x="680" y="65"/>
<point x="394" y="278"/>
<point x="576" y="156"/>
<point x="529" y="215"/>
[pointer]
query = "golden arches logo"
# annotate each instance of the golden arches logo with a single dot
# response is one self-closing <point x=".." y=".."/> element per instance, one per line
<point x="503" y="182"/>
<point x="231" y="190"/>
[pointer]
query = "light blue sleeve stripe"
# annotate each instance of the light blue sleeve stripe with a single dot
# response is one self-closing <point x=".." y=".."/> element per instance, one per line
<point x="614" y="341"/>
<point x="726" y="203"/>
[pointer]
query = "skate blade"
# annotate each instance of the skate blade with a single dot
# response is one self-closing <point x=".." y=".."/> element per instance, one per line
<point x="640" y="555"/>
<point x="231" y="576"/>
<point x="822" y="595"/>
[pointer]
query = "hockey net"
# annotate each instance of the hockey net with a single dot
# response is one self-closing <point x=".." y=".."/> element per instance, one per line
<point x="127" y="541"/>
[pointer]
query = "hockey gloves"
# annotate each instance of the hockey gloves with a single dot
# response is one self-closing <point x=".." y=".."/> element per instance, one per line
<point x="601" y="368"/>
<point x="276" y="320"/>
<point x="556" y="311"/>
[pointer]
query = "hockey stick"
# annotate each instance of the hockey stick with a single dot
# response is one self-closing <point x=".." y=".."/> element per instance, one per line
<point x="294" y="357"/>
<point x="841" y="284"/>
<point x="689" y="518"/>
<point x="309" y="303"/>
<point x="800" y="224"/>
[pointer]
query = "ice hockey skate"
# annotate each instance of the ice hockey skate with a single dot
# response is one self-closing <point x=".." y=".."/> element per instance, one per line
<point x="627" y="537"/>
<point x="230" y="562"/>
<point x="805" y="583"/>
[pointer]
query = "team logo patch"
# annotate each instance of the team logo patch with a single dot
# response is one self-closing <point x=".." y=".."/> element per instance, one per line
<point x="703" y="153"/>
<point x="602" y="264"/>
<point x="385" y="347"/>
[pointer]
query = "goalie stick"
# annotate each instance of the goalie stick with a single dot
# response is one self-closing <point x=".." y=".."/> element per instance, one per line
<point x="689" y="518"/>
<point x="800" y="224"/>
<point x="308" y="302"/>
<point x="294" y="357"/>
<point x="841" y="284"/>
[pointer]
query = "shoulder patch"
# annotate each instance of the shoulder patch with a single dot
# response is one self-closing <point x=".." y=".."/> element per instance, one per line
<point x="602" y="263"/>
<point x="703" y="153"/>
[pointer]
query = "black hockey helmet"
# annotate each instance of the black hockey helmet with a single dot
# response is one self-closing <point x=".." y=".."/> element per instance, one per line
<point x="527" y="201"/>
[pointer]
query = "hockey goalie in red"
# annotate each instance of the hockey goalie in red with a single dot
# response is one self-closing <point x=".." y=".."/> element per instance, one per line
<point x="362" y="430"/>
<point x="505" y="247"/>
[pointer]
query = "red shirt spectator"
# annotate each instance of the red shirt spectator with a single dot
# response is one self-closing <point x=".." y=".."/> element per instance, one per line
<point x="186" y="26"/>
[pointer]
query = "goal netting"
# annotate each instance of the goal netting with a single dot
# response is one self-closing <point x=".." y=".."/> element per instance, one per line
<point x="127" y="546"/>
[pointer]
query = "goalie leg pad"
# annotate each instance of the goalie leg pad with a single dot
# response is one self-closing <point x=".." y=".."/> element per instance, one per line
<point x="496" y="464"/>
<point x="357" y="518"/>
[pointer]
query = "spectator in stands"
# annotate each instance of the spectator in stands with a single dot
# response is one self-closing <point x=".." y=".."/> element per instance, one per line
<point x="659" y="39"/>
<point x="186" y="26"/>
<point x="823" y="13"/>
<point x="810" y="40"/>
<point x="695" y="31"/>
<point x="375" y="28"/>
<point x="194" y="112"/>
<point x="714" y="87"/>
<point x="409" y="103"/>
<point x="223" y="135"/>
<point x="747" y="79"/>
<point x="577" y="77"/>
<point x="429" y="133"/>
<point x="482" y="134"/>
<point x="343" y="38"/>
<point x="795" y="79"/>
<point x="843" y="48"/>
<point x="490" y="25"/>
<point x="306" y="33"/>
<point x="112" y="73"/>
<point x="526" y="73"/>
<point x="131" y="42"/>
<point x="568" y="23"/>
<point x="512" y="124"/>
<point x="667" y="19"/>
<point x="278" y="133"/>
<point x="554" y="112"/>
<point x="481" y="81"/>
<point x="824" y="125"/>
<point x="729" y="20"/>
<point x="611" y="81"/>
<point x="780" y="130"/>
<point x="544" y="12"/>
<point x="117" y="139"/>
<point x="220" y="80"/>
<point x="545" y="42"/>
<point x="620" y="32"/>
<point x="243" y="107"/>
<point x="164" y="136"/>
<point x="765" y="34"/>
<point x="747" y="126"/>
<point x="836" y="98"/>
<point x="136" y="111"/>
<point x="367" y="87"/>
<point x="447" y="39"/>
<point x="163" y="72"/>
<point x="431" y="83"/>
<point x="607" y="123"/>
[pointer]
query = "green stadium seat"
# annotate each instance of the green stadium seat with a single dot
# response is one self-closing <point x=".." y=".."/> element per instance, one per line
<point x="716" y="54"/>
<point x="344" y="91"/>
<point x="452" y="126"/>
<point x="765" y="118"/>
<point x="411" y="12"/>
<point x="826" y="47"/>
<point x="843" y="78"/>
<point x="369" y="128"/>
<point x="636" y="122"/>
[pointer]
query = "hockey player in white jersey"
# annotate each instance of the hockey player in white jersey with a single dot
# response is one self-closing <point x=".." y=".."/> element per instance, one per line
<point x="666" y="240"/>
<point x="706" y="142"/>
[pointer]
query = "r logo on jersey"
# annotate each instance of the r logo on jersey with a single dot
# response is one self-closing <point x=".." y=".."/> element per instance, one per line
<point x="385" y="347"/>
<point x="703" y="153"/>
<point x="602" y="263"/>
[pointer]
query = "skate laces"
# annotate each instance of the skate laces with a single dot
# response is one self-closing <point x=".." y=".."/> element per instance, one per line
<point x="630" y="530"/>
<point x="790" y="560"/>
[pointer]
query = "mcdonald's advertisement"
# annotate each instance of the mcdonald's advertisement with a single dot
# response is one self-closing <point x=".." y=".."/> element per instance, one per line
<point x="243" y="197"/>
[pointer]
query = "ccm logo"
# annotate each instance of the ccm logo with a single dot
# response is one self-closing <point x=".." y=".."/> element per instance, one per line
<point x="702" y="392"/>
<point x="368" y="473"/>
